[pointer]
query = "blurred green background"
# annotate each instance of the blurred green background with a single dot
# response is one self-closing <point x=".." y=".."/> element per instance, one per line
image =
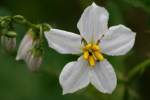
<point x="18" y="83"/>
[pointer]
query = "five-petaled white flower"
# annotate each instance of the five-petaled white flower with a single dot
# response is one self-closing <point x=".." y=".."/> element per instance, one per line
<point x="95" y="39"/>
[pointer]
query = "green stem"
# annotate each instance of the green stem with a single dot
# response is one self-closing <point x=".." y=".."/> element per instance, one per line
<point x="126" y="93"/>
<point x="121" y="78"/>
<point x="4" y="21"/>
<point x="139" y="69"/>
<point x="21" y="20"/>
<point x="29" y="24"/>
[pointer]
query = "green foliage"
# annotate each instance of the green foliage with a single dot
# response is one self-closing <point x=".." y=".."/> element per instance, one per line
<point x="144" y="4"/>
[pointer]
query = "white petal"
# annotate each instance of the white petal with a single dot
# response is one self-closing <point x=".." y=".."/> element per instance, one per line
<point x="74" y="76"/>
<point x="118" y="40"/>
<point x="8" y="43"/>
<point x="25" y="45"/>
<point x="64" y="42"/>
<point x="33" y="61"/>
<point x="103" y="77"/>
<point x="93" y="23"/>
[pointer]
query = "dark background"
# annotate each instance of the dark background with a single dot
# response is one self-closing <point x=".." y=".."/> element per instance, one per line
<point x="18" y="83"/>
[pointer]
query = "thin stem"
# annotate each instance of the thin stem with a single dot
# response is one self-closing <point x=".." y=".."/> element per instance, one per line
<point x="126" y="93"/>
<point x="21" y="20"/>
<point x="121" y="78"/>
<point x="29" y="24"/>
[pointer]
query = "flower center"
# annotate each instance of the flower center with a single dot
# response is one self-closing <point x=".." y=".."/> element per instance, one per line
<point x="91" y="53"/>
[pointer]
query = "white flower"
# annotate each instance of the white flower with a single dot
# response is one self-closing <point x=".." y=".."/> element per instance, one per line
<point x="28" y="52"/>
<point x="95" y="39"/>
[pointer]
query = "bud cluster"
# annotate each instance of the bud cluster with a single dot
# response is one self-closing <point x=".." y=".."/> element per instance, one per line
<point x="8" y="35"/>
<point x="31" y="46"/>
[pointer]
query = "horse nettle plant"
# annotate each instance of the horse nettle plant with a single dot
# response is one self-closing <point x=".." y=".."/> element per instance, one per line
<point x="95" y="40"/>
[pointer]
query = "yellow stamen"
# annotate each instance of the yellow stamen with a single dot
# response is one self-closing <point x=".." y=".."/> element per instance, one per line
<point x="85" y="55"/>
<point x="91" y="60"/>
<point x="98" y="55"/>
<point x="95" y="47"/>
<point x="88" y="46"/>
<point x="92" y="53"/>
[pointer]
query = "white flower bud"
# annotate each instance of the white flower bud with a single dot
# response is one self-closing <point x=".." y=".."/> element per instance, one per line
<point x="9" y="43"/>
<point x="33" y="61"/>
<point x="30" y="51"/>
<point x="25" y="46"/>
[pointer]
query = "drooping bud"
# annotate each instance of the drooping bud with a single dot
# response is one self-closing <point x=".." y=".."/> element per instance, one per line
<point x="8" y="41"/>
<point x="33" y="61"/>
<point x="30" y="51"/>
<point x="24" y="47"/>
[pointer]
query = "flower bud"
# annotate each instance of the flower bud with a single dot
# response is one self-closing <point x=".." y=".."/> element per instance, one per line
<point x="4" y="23"/>
<point x="33" y="61"/>
<point x="30" y="51"/>
<point x="9" y="43"/>
<point x="19" y="18"/>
